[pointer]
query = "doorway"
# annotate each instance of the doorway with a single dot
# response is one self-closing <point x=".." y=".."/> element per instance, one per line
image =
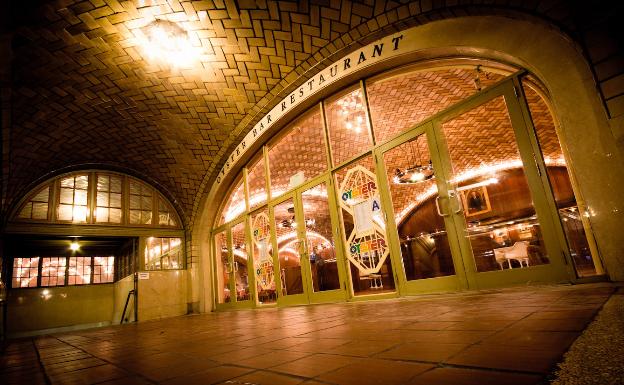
<point x="309" y="266"/>
<point x="469" y="205"/>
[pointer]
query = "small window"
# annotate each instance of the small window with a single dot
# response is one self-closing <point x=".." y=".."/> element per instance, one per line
<point x="25" y="272"/>
<point x="235" y="204"/>
<point x="140" y="203"/>
<point x="73" y="199"/>
<point x="348" y="126"/>
<point x="37" y="207"/>
<point x="108" y="206"/>
<point x="299" y="155"/>
<point x="53" y="271"/>
<point x="163" y="254"/>
<point x="103" y="269"/>
<point x="79" y="272"/>
<point x="166" y="214"/>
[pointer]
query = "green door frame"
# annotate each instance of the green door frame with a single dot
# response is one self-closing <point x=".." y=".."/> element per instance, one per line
<point x="308" y="295"/>
<point x="406" y="287"/>
<point x="234" y="303"/>
<point x="555" y="271"/>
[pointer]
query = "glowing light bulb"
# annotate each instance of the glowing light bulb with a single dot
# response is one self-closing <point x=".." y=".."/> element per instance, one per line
<point x="74" y="246"/>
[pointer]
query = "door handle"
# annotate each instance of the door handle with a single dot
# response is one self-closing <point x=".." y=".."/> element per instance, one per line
<point x="437" y="204"/>
<point x="460" y="206"/>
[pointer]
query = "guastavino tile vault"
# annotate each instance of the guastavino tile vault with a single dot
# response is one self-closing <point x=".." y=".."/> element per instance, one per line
<point x="162" y="158"/>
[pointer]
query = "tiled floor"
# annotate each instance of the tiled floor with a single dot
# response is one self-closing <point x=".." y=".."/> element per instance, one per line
<point x="510" y="336"/>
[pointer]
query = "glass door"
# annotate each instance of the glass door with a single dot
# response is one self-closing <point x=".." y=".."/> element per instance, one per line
<point x="324" y="264"/>
<point x="496" y="198"/>
<point x="423" y="231"/>
<point x="232" y="266"/>
<point x="364" y="229"/>
<point x="309" y="267"/>
<point x="288" y="244"/>
<point x="262" y="255"/>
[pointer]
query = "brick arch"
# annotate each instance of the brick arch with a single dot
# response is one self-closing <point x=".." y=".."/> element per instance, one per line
<point x="504" y="39"/>
<point x="374" y="23"/>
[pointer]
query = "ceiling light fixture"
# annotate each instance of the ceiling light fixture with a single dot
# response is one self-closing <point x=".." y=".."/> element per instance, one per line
<point x="414" y="174"/>
<point x="167" y="41"/>
<point x="74" y="246"/>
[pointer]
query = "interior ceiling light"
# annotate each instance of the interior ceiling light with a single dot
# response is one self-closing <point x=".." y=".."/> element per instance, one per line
<point x="416" y="173"/>
<point x="74" y="246"/>
<point x="166" y="41"/>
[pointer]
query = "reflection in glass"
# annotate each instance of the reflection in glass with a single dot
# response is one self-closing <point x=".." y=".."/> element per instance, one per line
<point x="166" y="214"/>
<point x="103" y="269"/>
<point x="163" y="254"/>
<point x="263" y="257"/>
<point x="425" y="250"/>
<point x="299" y="155"/>
<point x="348" y="126"/>
<point x="53" y="271"/>
<point x="25" y="272"/>
<point x="239" y="251"/>
<point x="365" y="228"/>
<point x="492" y="189"/>
<point x="223" y="268"/>
<point x="575" y="219"/>
<point x="234" y="203"/>
<point x="257" y="182"/>
<point x="319" y="239"/>
<point x="288" y="248"/>
<point x="400" y="100"/>
<point x="79" y="271"/>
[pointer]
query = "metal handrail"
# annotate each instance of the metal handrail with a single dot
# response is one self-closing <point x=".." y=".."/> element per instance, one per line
<point x="131" y="292"/>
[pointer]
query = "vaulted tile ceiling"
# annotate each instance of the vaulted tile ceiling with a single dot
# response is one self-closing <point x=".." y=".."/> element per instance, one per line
<point x="83" y="93"/>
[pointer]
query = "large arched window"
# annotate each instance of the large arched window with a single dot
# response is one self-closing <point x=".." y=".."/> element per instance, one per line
<point x="98" y="197"/>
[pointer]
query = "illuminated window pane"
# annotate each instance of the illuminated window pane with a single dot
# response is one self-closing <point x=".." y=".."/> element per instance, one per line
<point x="107" y="200"/>
<point x="67" y="195"/>
<point x="103" y="269"/>
<point x="65" y="213"/>
<point x="141" y="199"/>
<point x="25" y="272"/>
<point x="348" y="126"/>
<point x="101" y="214"/>
<point x="257" y="182"/>
<point x="399" y="101"/>
<point x="73" y="198"/>
<point x="235" y="203"/>
<point x="115" y="216"/>
<point x="79" y="272"/>
<point x="53" y="271"/>
<point x="163" y="253"/>
<point x="166" y="215"/>
<point x="298" y="156"/>
<point x="37" y="207"/>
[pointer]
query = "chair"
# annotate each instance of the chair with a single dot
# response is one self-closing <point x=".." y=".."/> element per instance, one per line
<point x="519" y="252"/>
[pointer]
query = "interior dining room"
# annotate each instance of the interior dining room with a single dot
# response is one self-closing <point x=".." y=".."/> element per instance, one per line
<point x="321" y="192"/>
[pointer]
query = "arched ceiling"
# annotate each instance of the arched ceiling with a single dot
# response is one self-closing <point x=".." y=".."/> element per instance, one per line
<point x="83" y="92"/>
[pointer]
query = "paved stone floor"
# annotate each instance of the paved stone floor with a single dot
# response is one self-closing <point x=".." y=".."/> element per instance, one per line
<point x="500" y="337"/>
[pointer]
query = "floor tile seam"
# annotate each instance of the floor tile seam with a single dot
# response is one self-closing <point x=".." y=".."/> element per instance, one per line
<point x="41" y="366"/>
<point x="114" y="365"/>
<point x="488" y="369"/>
<point x="256" y="370"/>
<point x="75" y="370"/>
